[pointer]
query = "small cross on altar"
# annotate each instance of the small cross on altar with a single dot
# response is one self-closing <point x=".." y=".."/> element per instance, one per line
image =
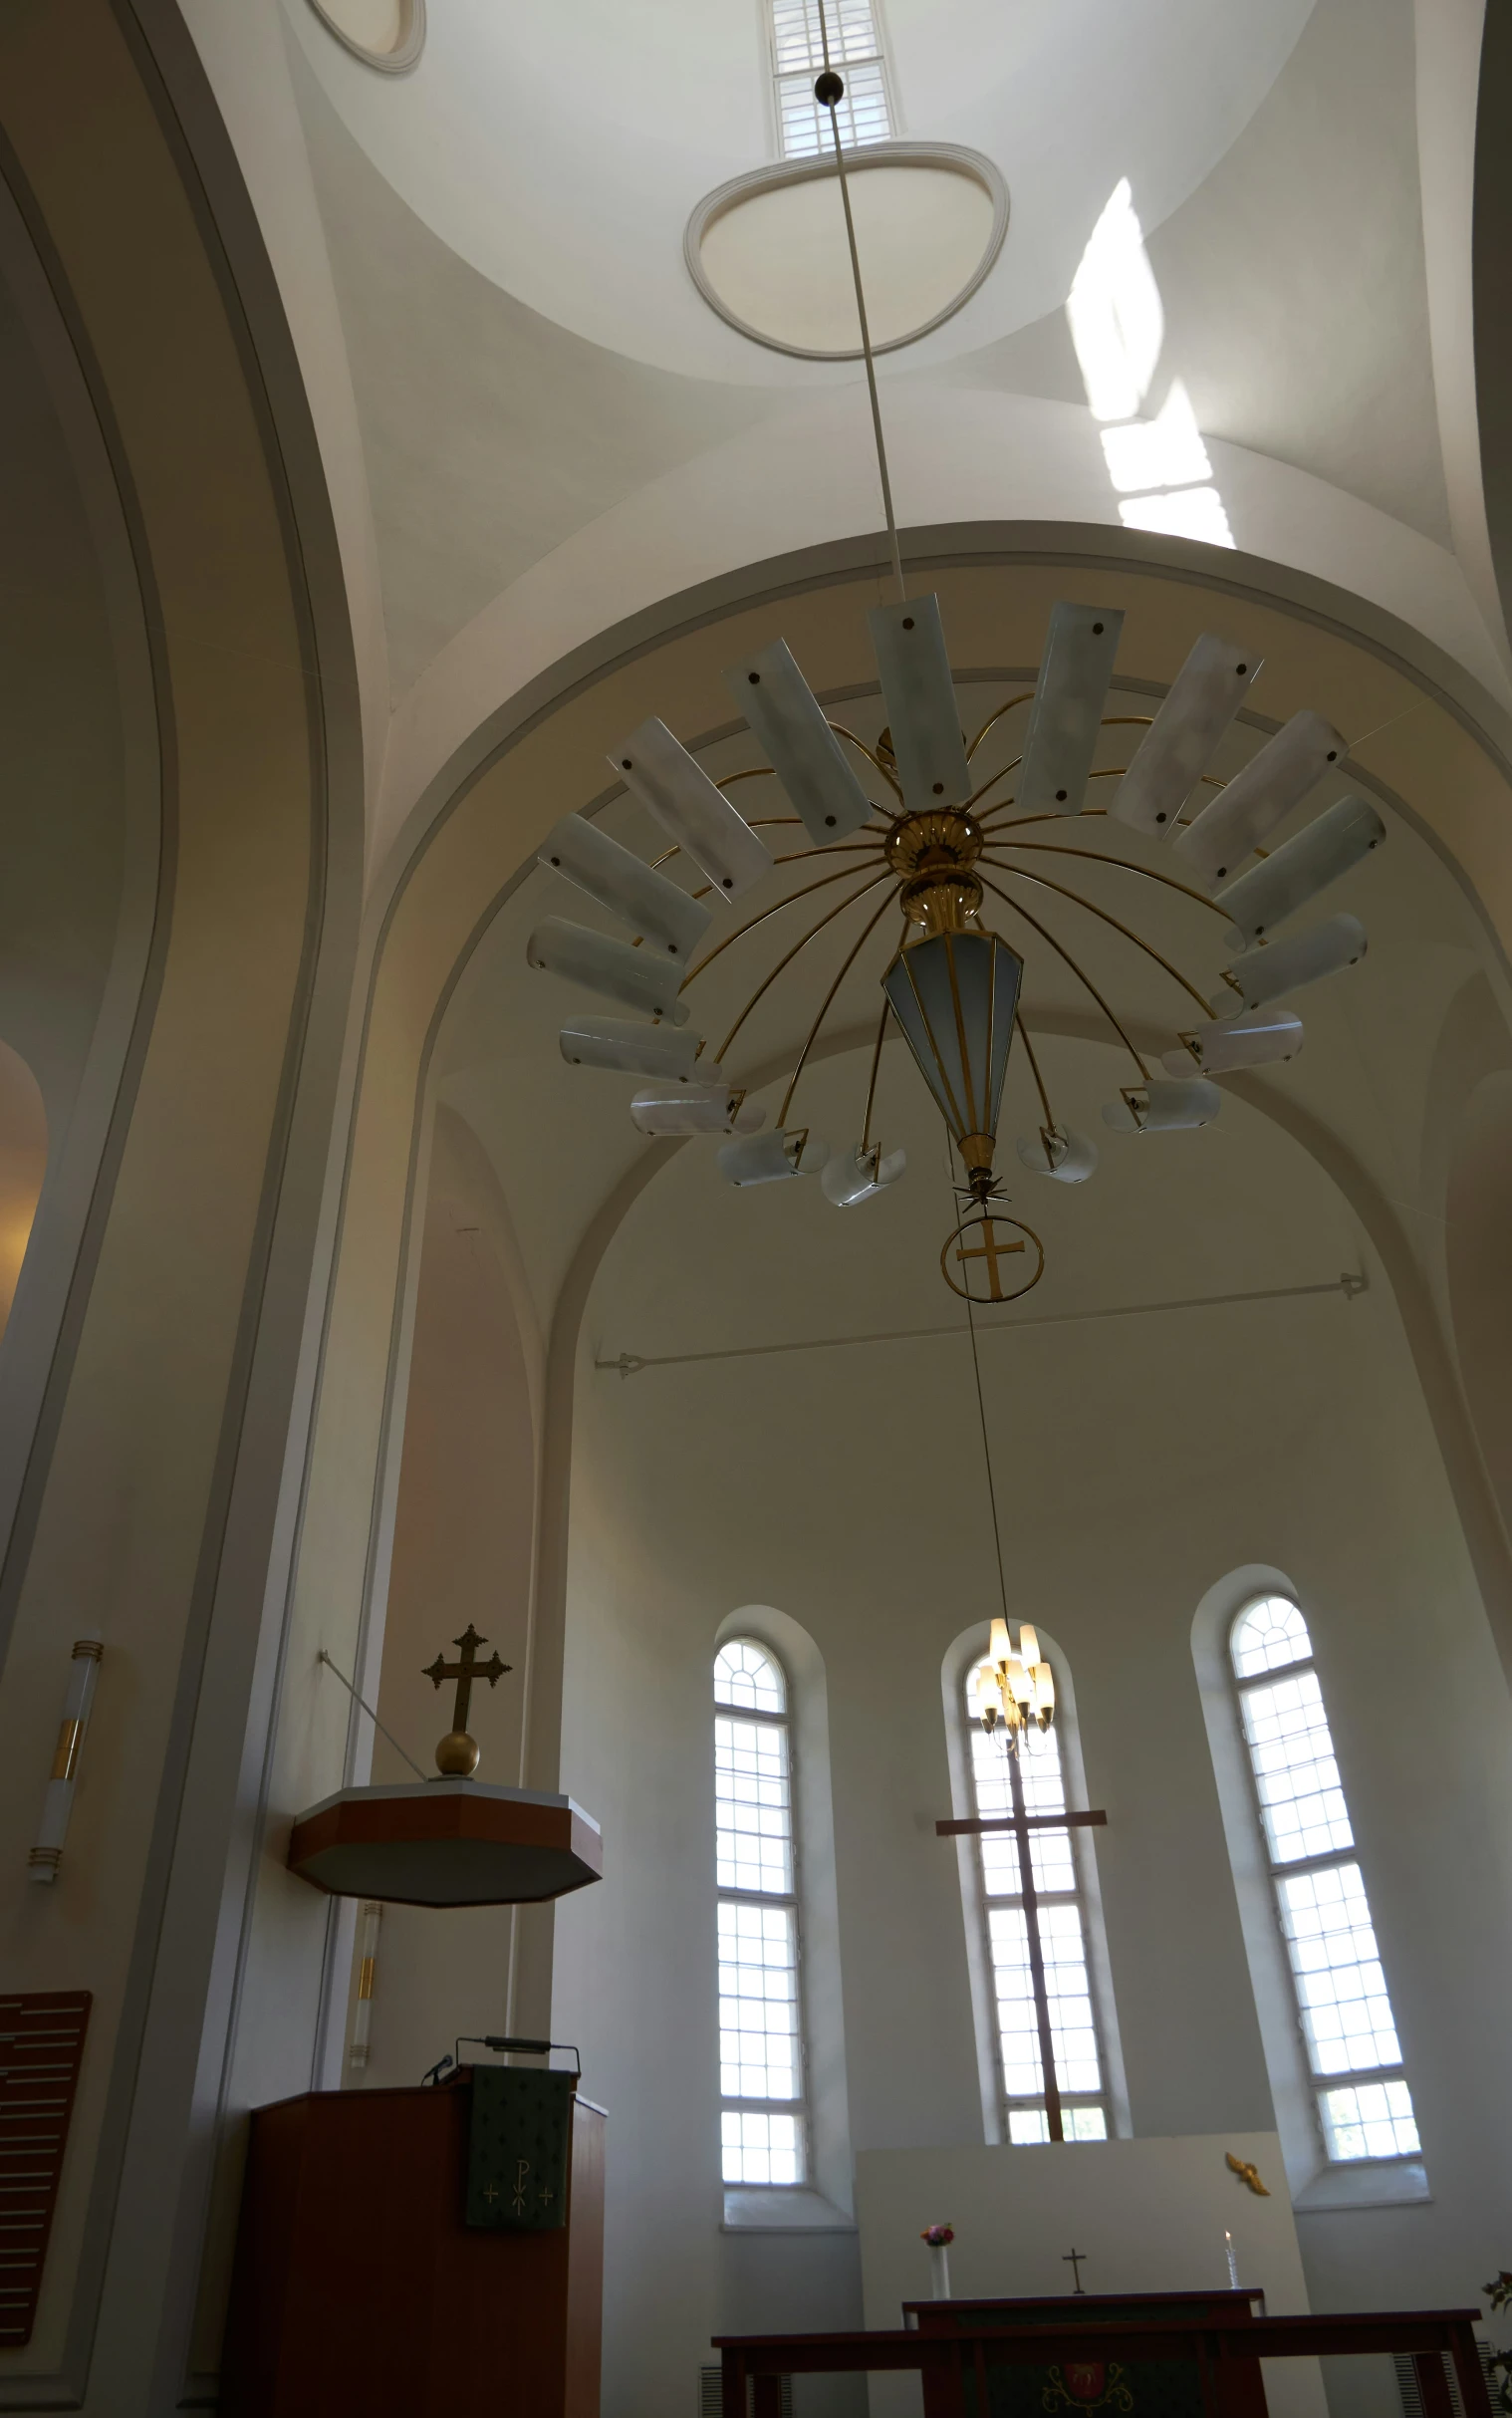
<point x="1020" y="1822"/>
<point x="457" y="1756"/>
<point x="1073" y="2259"/>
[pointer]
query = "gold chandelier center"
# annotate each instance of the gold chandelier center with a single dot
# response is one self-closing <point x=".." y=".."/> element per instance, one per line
<point x="932" y="855"/>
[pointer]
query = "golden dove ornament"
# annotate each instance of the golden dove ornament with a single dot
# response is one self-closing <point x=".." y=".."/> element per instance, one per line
<point x="1247" y="2174"/>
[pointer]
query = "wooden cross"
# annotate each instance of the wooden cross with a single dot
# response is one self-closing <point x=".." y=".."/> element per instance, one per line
<point x="465" y="1672"/>
<point x="1020" y="1822"/>
<point x="1073" y="2259"/>
<point x="992" y="1251"/>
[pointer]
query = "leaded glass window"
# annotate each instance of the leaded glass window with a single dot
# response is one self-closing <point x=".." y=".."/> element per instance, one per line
<point x="764" y="2130"/>
<point x="1062" y="1917"/>
<point x="1364" y="2108"/>
<point x="855" y="51"/>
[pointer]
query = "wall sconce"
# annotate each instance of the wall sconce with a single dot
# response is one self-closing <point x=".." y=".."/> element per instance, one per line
<point x="58" y="1804"/>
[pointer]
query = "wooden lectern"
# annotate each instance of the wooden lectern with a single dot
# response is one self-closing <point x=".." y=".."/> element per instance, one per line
<point x="360" y="2293"/>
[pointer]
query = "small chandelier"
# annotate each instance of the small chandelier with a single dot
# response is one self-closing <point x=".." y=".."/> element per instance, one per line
<point x="1015" y="1691"/>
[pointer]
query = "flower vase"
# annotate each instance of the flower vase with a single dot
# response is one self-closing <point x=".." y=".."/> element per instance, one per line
<point x="939" y="2265"/>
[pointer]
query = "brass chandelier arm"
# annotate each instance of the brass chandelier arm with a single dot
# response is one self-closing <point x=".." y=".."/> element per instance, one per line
<point x="1043" y="882"/>
<point x="829" y="1001"/>
<point x="759" y="822"/>
<point x="977" y="794"/>
<point x="875" y="762"/>
<point x="881" y="1034"/>
<point x="783" y="963"/>
<point x="775" y="909"/>
<point x="1039" y="1080"/>
<point x="1086" y="981"/>
<point x="1024" y="697"/>
<point x="1092" y="856"/>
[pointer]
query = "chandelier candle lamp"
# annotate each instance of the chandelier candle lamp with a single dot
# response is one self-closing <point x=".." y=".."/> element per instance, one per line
<point x="923" y="837"/>
<point x="1015" y="1689"/>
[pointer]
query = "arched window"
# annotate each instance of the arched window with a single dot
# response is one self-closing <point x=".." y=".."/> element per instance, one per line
<point x="855" y="50"/>
<point x="763" y="2117"/>
<point x="1061" y="1915"/>
<point x="1364" y="2107"/>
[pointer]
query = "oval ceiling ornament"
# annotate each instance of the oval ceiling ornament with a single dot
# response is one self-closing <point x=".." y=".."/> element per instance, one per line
<point x="768" y="252"/>
<point x="387" y="34"/>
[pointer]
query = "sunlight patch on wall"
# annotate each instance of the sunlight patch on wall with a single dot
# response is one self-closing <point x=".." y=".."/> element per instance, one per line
<point x="1159" y="465"/>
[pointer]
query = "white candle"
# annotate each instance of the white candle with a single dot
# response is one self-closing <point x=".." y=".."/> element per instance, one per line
<point x="1233" y="2264"/>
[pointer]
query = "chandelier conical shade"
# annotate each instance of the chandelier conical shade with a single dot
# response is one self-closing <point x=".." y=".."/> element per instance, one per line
<point x="954" y="995"/>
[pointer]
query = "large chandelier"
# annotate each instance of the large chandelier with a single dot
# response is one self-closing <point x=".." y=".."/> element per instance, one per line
<point x="926" y="842"/>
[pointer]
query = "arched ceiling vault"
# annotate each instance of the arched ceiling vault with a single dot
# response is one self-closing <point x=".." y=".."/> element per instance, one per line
<point x="534" y="433"/>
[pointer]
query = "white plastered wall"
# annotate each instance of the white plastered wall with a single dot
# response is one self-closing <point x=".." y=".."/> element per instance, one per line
<point x="1139" y="1460"/>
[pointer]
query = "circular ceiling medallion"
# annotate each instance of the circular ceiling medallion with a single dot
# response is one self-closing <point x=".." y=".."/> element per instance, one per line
<point x="385" y="34"/>
<point x="768" y="250"/>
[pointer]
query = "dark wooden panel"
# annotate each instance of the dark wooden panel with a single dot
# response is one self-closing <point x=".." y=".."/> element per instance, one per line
<point x="41" y="2045"/>
<point x="359" y="2288"/>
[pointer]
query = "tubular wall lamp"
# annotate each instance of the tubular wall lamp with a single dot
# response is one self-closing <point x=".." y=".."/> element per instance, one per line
<point x="57" y="1803"/>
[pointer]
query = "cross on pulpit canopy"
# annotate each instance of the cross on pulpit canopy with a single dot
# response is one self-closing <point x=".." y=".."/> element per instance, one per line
<point x="1073" y="2259"/>
<point x="456" y="1756"/>
<point x="992" y="1251"/>
<point x="1020" y="1822"/>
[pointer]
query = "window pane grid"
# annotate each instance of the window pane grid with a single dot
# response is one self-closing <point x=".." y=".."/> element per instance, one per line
<point x="1026" y="2125"/>
<point x="761" y="2148"/>
<point x="758" y="2002"/>
<point x="1341" y="1989"/>
<point x="1073" y="2035"/>
<point x="760" y="2039"/>
<point x="753" y="1811"/>
<point x="1342" y="2003"/>
<point x="798" y="56"/>
<point x="1300" y="1801"/>
<point x="1373" y="2121"/>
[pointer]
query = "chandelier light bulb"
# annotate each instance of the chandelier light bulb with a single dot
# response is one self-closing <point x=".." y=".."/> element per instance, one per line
<point x="1066" y="718"/>
<point x="852" y="1175"/>
<point x="989" y="1694"/>
<point x="771" y="1158"/>
<point x="789" y="722"/>
<point x="1250" y="806"/>
<point x="1055" y="1150"/>
<point x="609" y="969"/>
<point x="1029" y="1644"/>
<point x="998" y="1644"/>
<point x="657" y="769"/>
<point x="1043" y="1693"/>
<point x="1260" y="1036"/>
<point x="1329" y="846"/>
<point x="1177" y="748"/>
<point x="617" y="1043"/>
<point x="664" y="917"/>
<point x="1303" y="956"/>
<point x="666" y="1108"/>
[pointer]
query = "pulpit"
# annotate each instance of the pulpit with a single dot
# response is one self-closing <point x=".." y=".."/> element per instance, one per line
<point x="361" y="2286"/>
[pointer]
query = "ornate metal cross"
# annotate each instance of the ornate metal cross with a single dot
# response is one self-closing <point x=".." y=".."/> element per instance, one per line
<point x="450" y="1757"/>
<point x="992" y="1251"/>
<point x="1020" y="1822"/>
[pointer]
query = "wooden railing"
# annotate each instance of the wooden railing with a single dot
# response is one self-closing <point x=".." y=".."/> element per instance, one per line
<point x="956" y="2369"/>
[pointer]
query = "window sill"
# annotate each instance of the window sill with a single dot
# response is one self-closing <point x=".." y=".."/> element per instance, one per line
<point x="777" y="2209"/>
<point x="1394" y="2183"/>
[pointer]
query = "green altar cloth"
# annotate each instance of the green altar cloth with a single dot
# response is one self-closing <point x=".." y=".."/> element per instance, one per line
<point x="518" y="2148"/>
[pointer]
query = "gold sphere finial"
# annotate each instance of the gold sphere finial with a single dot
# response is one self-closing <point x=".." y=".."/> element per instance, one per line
<point x="456" y="1756"/>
